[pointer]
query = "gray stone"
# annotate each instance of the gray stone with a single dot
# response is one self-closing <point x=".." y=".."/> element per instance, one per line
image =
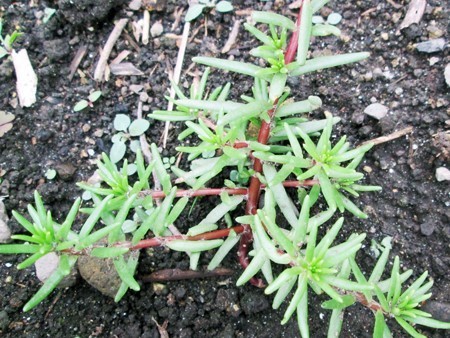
<point x="65" y="171"/>
<point x="101" y="274"/>
<point x="442" y="174"/>
<point x="46" y="265"/>
<point x="439" y="310"/>
<point x="427" y="228"/>
<point x="56" y="49"/>
<point x="135" y="5"/>
<point x="376" y="110"/>
<point x="157" y="29"/>
<point x="4" y="320"/>
<point x="254" y="302"/>
<point x="431" y="46"/>
<point x="5" y="232"/>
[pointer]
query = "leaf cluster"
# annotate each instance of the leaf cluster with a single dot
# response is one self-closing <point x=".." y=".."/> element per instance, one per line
<point x="196" y="9"/>
<point x="7" y="41"/>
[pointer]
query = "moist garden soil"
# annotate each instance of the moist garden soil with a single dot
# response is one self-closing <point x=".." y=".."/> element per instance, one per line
<point x="413" y="207"/>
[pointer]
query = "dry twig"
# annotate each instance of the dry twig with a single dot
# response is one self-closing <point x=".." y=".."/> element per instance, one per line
<point x="414" y="14"/>
<point x="176" y="75"/>
<point x="102" y="62"/>
<point x="76" y="61"/>
<point x="390" y="137"/>
<point x="232" y="38"/>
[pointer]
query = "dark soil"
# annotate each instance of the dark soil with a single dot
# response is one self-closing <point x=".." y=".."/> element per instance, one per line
<point x="413" y="207"/>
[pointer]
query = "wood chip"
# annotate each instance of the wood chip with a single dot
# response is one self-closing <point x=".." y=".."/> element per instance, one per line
<point x="414" y="14"/>
<point x="146" y="28"/>
<point x="176" y="76"/>
<point x="232" y="38"/>
<point x="81" y="52"/>
<point x="103" y="61"/>
<point x="119" y="58"/>
<point x="124" y="68"/>
<point x="26" y="83"/>
<point x="390" y="137"/>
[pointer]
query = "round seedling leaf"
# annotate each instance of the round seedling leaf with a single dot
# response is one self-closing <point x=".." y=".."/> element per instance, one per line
<point x="334" y="18"/>
<point x="94" y="96"/>
<point x="119" y="137"/>
<point x="193" y="12"/>
<point x="317" y="19"/>
<point x="128" y="226"/>
<point x="224" y="6"/>
<point x="131" y="169"/>
<point x="117" y="152"/>
<point x="138" y="127"/>
<point x="50" y="174"/>
<point x="121" y="122"/>
<point x="135" y="145"/>
<point x="86" y="196"/>
<point x="81" y="105"/>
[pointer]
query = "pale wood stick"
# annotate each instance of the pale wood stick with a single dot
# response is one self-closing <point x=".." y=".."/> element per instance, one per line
<point x="76" y="61"/>
<point x="176" y="75"/>
<point x="390" y="137"/>
<point x="232" y="38"/>
<point x="146" y="28"/>
<point x="102" y="62"/>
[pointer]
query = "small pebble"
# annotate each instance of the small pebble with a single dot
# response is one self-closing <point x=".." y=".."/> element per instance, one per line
<point x="433" y="60"/>
<point x="367" y="169"/>
<point x="431" y="46"/>
<point x="427" y="228"/>
<point x="86" y="127"/>
<point x="376" y="110"/>
<point x="442" y="174"/>
<point x="439" y="310"/>
<point x="157" y="29"/>
<point x="447" y="74"/>
<point x="385" y="36"/>
<point x="398" y="91"/>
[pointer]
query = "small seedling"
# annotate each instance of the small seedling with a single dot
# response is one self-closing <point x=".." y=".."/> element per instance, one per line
<point x="195" y="10"/>
<point x="50" y="174"/>
<point x="82" y="104"/>
<point x="126" y="130"/>
<point x="168" y="162"/>
<point x="286" y="240"/>
<point x="7" y="42"/>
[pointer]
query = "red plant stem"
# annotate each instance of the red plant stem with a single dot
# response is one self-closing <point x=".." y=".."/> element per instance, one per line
<point x="160" y="241"/>
<point x="199" y="192"/>
<point x="254" y="190"/>
<point x="229" y="191"/>
<point x="291" y="50"/>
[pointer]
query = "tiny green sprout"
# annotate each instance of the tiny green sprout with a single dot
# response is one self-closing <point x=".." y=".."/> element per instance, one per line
<point x="7" y="41"/>
<point x="287" y="180"/>
<point x="82" y="104"/>
<point x="196" y="9"/>
<point x="168" y="161"/>
<point x="50" y="174"/>
<point x="126" y="130"/>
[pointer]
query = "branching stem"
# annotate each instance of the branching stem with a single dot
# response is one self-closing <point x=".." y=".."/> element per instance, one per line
<point x="254" y="190"/>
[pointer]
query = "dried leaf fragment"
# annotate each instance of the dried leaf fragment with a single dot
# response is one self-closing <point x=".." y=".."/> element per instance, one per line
<point x="124" y="68"/>
<point x="5" y="122"/>
<point x="26" y="78"/>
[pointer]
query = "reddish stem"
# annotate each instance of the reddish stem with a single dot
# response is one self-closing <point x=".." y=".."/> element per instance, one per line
<point x="218" y="191"/>
<point x="254" y="190"/>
